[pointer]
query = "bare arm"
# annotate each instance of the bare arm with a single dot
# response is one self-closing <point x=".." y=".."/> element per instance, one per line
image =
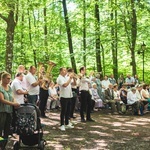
<point x="4" y="101"/>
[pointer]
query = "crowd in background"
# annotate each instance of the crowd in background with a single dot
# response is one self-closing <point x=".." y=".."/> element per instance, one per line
<point x="68" y="93"/>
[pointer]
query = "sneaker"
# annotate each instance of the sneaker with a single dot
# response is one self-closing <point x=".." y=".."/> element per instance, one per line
<point x="62" y="128"/>
<point x="69" y="126"/>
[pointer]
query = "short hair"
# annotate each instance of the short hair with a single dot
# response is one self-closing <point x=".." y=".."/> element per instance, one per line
<point x="18" y="74"/>
<point x="4" y="75"/>
<point x="61" y="68"/>
<point x="70" y="70"/>
<point x="82" y="68"/>
<point x="133" y="89"/>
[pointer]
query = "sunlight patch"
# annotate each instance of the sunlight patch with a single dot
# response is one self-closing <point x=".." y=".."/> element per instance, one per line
<point x="101" y="133"/>
<point x="117" y="124"/>
<point x="100" y="127"/>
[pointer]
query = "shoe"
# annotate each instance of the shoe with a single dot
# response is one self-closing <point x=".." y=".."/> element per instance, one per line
<point x="90" y="120"/>
<point x="62" y="128"/>
<point x="69" y="126"/>
<point x="83" y="120"/>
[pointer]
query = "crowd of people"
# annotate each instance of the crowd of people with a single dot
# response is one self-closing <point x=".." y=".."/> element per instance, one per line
<point x="70" y="92"/>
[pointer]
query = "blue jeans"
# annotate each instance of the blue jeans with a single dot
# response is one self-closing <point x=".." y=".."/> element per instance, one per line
<point x="32" y="99"/>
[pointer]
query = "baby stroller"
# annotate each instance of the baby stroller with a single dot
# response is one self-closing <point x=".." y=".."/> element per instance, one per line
<point x="28" y="127"/>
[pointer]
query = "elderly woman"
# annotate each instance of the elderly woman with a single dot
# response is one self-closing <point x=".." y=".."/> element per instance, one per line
<point x="133" y="100"/>
<point x="6" y="107"/>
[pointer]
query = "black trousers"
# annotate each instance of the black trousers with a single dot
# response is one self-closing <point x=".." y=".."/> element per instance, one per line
<point x="65" y="111"/>
<point x="43" y="100"/>
<point x="73" y="102"/>
<point x="85" y="104"/>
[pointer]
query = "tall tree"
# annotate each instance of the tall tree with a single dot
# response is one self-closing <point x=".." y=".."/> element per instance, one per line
<point x="131" y="32"/>
<point x="97" y="34"/>
<point x="69" y="35"/>
<point x="114" y="37"/>
<point x="11" y="21"/>
<point x="84" y="32"/>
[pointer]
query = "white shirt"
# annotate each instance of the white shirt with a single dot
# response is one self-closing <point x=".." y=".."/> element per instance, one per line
<point x="24" y="82"/>
<point x="31" y="89"/>
<point x="131" y="97"/>
<point x="105" y="84"/>
<point x="52" y="91"/>
<point x="65" y="92"/>
<point x="17" y="85"/>
<point x="84" y="84"/>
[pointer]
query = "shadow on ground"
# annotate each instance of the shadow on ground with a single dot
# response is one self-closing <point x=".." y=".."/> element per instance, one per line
<point x="108" y="132"/>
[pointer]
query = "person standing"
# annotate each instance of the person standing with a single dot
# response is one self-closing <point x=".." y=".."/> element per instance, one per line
<point x="33" y="85"/>
<point x="64" y="82"/>
<point x="17" y="89"/>
<point x="21" y="69"/>
<point x="6" y="107"/>
<point x="85" y="96"/>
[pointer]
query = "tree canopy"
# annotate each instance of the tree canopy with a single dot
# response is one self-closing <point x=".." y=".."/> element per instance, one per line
<point x="104" y="35"/>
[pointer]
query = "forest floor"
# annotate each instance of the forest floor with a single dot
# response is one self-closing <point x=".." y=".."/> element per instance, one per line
<point x="108" y="132"/>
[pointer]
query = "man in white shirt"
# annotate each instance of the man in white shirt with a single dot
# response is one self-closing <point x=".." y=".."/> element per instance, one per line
<point x="18" y="91"/>
<point x="64" y="83"/>
<point x="32" y="85"/>
<point x="85" y="96"/>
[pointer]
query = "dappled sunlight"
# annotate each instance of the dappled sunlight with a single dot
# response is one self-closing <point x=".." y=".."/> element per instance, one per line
<point x="101" y="143"/>
<point x="55" y="144"/>
<point x="128" y="125"/>
<point x="78" y="139"/>
<point x="117" y="124"/>
<point x="121" y="130"/>
<point x="100" y="127"/>
<point x="137" y="123"/>
<point x="101" y="133"/>
<point x="146" y="139"/>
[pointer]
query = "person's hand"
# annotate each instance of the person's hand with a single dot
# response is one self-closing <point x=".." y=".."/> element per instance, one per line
<point x="71" y="75"/>
<point x="16" y="105"/>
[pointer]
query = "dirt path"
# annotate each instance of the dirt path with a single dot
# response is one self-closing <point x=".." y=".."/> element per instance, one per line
<point x="108" y="132"/>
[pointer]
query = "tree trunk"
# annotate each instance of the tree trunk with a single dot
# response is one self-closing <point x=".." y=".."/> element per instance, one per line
<point x="84" y="33"/>
<point x="133" y="36"/>
<point x="114" y="39"/>
<point x="69" y="36"/>
<point x="10" y="29"/>
<point x="9" y="41"/>
<point x="97" y="33"/>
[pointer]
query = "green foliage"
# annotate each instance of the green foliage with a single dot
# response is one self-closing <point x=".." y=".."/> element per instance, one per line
<point x="54" y="45"/>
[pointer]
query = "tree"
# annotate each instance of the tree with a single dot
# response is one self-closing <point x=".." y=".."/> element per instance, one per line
<point x="11" y="21"/>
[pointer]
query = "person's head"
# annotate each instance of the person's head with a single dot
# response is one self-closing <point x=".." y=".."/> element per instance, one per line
<point x="133" y="89"/>
<point x="105" y="77"/>
<point x="63" y="71"/>
<point x="139" y="87"/>
<point x="110" y="86"/>
<point x="83" y="70"/>
<point x="128" y="76"/>
<point x="94" y="85"/>
<point x="112" y="76"/>
<point x="19" y="76"/>
<point x="21" y="69"/>
<point x="97" y="76"/>
<point x="6" y="78"/>
<point x="145" y="86"/>
<point x="115" y="87"/>
<point x="32" y="70"/>
<point x="51" y="84"/>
